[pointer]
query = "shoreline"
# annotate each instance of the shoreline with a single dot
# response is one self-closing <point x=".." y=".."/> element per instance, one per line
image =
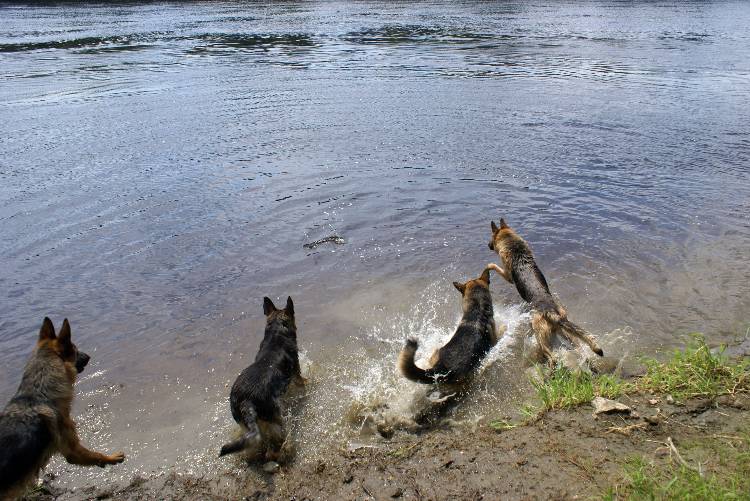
<point x="560" y="450"/>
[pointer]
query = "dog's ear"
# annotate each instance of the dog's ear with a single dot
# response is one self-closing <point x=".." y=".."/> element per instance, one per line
<point x="493" y="226"/>
<point x="268" y="306"/>
<point x="503" y="224"/>
<point x="461" y="287"/>
<point x="47" y="331"/>
<point x="289" y="305"/>
<point x="485" y="276"/>
<point x="64" y="338"/>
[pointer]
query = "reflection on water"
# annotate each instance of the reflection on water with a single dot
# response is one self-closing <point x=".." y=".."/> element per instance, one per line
<point x="163" y="164"/>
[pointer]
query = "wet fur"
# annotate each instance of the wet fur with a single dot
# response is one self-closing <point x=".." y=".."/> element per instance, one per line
<point x="36" y="423"/>
<point x="520" y="268"/>
<point x="474" y="338"/>
<point x="256" y="393"/>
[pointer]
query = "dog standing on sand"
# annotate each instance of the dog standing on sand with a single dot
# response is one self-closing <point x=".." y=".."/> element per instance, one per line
<point x="519" y="268"/>
<point x="475" y="336"/>
<point x="36" y="423"/>
<point x="256" y="393"/>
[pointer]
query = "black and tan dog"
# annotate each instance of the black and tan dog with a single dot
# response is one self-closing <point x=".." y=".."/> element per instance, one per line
<point x="256" y="393"/>
<point x="519" y="268"/>
<point x="36" y="423"/>
<point x="475" y="336"/>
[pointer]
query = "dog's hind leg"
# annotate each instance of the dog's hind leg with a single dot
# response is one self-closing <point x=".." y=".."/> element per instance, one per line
<point x="250" y="431"/>
<point x="543" y="332"/>
<point x="273" y="432"/>
<point x="573" y="330"/>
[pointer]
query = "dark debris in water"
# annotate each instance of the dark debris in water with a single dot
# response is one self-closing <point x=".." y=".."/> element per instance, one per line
<point x="334" y="239"/>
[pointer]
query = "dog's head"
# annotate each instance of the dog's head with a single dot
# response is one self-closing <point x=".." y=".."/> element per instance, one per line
<point x="498" y="232"/>
<point x="482" y="281"/>
<point x="62" y="345"/>
<point x="273" y="314"/>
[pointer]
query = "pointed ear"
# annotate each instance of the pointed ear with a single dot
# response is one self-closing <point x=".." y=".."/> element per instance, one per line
<point x="289" y="305"/>
<point x="64" y="337"/>
<point x="493" y="226"/>
<point x="503" y="224"/>
<point x="268" y="306"/>
<point x="47" y="331"/>
<point x="485" y="276"/>
<point x="461" y="287"/>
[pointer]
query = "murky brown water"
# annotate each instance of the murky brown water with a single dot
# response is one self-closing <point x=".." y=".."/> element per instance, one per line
<point x="163" y="165"/>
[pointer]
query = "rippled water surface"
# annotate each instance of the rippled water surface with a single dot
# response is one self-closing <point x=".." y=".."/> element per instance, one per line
<point x="162" y="166"/>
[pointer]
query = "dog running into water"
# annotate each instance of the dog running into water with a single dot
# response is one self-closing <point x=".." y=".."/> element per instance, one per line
<point x="475" y="336"/>
<point x="256" y="393"/>
<point x="520" y="268"/>
<point x="36" y="423"/>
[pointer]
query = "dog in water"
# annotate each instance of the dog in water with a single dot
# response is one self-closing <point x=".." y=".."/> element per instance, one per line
<point x="520" y="268"/>
<point x="256" y="393"/>
<point x="36" y="423"/>
<point x="475" y="336"/>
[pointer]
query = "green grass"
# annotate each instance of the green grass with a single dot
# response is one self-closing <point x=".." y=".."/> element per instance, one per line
<point x="565" y="388"/>
<point x="688" y="373"/>
<point x="648" y="481"/>
<point x="692" y="372"/>
<point x="695" y="372"/>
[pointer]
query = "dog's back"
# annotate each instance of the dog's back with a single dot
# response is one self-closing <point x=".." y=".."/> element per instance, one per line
<point x="474" y="338"/>
<point x="254" y="399"/>
<point x="268" y="377"/>
<point x="25" y="445"/>
<point x="26" y="440"/>
<point x="527" y="277"/>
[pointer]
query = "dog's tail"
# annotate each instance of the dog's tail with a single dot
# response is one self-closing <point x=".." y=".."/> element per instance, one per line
<point x="250" y="435"/>
<point x="576" y="331"/>
<point x="407" y="366"/>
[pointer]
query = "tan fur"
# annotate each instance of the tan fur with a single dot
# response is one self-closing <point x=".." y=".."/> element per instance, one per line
<point x="433" y="359"/>
<point x="59" y="388"/>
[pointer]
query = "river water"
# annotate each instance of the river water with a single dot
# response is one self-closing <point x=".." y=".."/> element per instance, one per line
<point x="163" y="164"/>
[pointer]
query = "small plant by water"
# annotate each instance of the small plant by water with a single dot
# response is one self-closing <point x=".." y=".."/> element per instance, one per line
<point x="563" y="387"/>
<point x="695" y="371"/>
<point x="727" y="479"/>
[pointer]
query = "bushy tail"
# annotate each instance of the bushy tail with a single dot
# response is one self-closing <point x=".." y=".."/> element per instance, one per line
<point x="249" y="437"/>
<point x="581" y="334"/>
<point x="407" y="366"/>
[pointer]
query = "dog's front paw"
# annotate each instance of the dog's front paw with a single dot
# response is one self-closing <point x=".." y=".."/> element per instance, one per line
<point x="116" y="458"/>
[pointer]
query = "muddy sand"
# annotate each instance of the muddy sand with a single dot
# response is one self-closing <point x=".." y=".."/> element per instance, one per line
<point x="562" y="454"/>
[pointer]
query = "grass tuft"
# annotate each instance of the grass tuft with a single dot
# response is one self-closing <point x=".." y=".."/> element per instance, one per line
<point x="692" y="372"/>
<point x="647" y="480"/>
<point x="565" y="388"/>
<point x="695" y="372"/>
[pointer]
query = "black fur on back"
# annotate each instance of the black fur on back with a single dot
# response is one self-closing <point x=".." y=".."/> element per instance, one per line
<point x="473" y="339"/>
<point x="261" y="384"/>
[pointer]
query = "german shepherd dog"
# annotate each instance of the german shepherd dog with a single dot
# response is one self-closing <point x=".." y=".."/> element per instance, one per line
<point x="475" y="336"/>
<point x="256" y="393"/>
<point x="519" y="268"/>
<point x="36" y="423"/>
